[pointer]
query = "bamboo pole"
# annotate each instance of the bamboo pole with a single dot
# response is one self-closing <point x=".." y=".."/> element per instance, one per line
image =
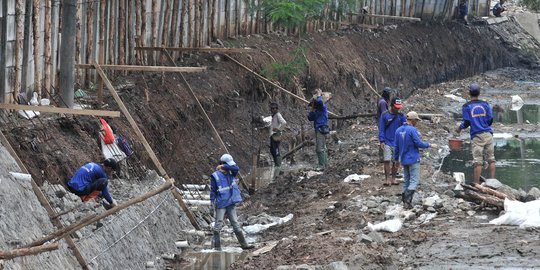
<point x="78" y="30"/>
<point x="9" y="106"/>
<point x="37" y="51"/>
<point x="93" y="218"/>
<point x="182" y="29"/>
<point x="485" y="198"/>
<point x="154" y="29"/>
<point x="212" y="30"/>
<point x="189" y="23"/>
<point x="121" y="32"/>
<point x="44" y="202"/>
<point x="19" y="5"/>
<point x="203" y="112"/>
<point x="196" y="19"/>
<point x="272" y="83"/>
<point x="174" y="24"/>
<point x="138" y="30"/>
<point x="90" y="39"/>
<point x="353" y="116"/>
<point x="144" y="68"/>
<point x="7" y="255"/>
<point x="145" y="143"/>
<point x="186" y="49"/>
<point x="298" y="147"/>
<point x="201" y="24"/>
<point x="389" y="16"/>
<point x="227" y="18"/>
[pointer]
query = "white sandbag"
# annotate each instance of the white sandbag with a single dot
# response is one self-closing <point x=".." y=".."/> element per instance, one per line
<point x="355" y="178"/>
<point x="393" y="225"/>
<point x="394" y="211"/>
<point x="532" y="221"/>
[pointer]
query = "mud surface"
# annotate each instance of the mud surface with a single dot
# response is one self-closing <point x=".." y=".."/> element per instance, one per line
<point x="422" y="61"/>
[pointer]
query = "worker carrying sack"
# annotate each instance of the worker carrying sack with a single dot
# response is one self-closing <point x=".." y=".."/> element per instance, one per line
<point x="108" y="137"/>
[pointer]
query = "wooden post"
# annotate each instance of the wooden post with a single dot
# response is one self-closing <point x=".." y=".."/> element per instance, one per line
<point x="6" y="255"/>
<point x="99" y="79"/>
<point x="44" y="202"/>
<point x="254" y="172"/>
<point x="93" y="218"/>
<point x="89" y="40"/>
<point x="37" y="51"/>
<point x="18" y="46"/>
<point x="184" y="207"/>
<point x="203" y="112"/>
<point x="121" y="32"/>
<point x="142" y="138"/>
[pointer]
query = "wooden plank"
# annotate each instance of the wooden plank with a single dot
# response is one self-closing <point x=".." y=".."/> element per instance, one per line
<point x="48" y="109"/>
<point x="6" y="255"/>
<point x="145" y="68"/>
<point x="192" y="49"/>
<point x="144" y="142"/>
<point x="389" y="17"/>
<point x="271" y="245"/>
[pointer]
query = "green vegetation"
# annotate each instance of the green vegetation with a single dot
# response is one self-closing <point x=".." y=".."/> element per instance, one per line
<point x="285" y="72"/>
<point x="291" y="14"/>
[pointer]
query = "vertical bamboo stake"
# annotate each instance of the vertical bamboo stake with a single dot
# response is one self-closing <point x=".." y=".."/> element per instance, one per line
<point x="227" y="17"/>
<point x="37" y="51"/>
<point x="166" y="9"/>
<point x="19" y="5"/>
<point x="89" y="39"/>
<point x="78" y="58"/>
<point x="154" y="29"/>
<point x="174" y="25"/>
<point x="201" y="24"/>
<point x="182" y="23"/>
<point x="112" y="20"/>
<point x="142" y="33"/>
<point x="55" y="20"/>
<point x="189" y="24"/>
<point x="47" y="46"/>
<point x="131" y="26"/>
<point x="121" y="32"/>
<point x="211" y="21"/>
<point x="101" y="49"/>
<point x="138" y="29"/>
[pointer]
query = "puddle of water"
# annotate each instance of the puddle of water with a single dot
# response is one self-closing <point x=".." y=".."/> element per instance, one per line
<point x="529" y="112"/>
<point x="518" y="162"/>
<point x="211" y="260"/>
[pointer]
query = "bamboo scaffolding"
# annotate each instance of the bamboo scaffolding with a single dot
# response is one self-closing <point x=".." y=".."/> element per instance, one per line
<point x="183" y="49"/>
<point x="122" y="32"/>
<point x="94" y="218"/>
<point x="18" y="46"/>
<point x="44" y="202"/>
<point x="37" y="52"/>
<point x="203" y="112"/>
<point x="145" y="143"/>
<point x="6" y="255"/>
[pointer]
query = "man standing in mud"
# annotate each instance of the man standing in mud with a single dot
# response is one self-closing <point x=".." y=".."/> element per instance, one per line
<point x="275" y="135"/>
<point x="382" y="107"/>
<point x="477" y="115"/>
<point x="388" y="124"/>
<point x="319" y="117"/>
<point x="406" y="152"/>
<point x="224" y="195"/>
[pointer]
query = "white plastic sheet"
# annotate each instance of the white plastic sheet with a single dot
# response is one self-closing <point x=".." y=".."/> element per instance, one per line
<point x="519" y="214"/>
<point x="393" y="225"/>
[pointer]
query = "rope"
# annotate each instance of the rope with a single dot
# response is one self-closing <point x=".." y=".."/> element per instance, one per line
<point x="131" y="230"/>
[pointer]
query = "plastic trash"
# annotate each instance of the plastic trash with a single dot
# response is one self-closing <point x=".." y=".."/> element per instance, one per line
<point x="355" y="178"/>
<point x="517" y="103"/>
<point x="393" y="225"/>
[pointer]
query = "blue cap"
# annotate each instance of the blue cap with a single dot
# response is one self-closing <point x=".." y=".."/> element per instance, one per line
<point x="474" y="89"/>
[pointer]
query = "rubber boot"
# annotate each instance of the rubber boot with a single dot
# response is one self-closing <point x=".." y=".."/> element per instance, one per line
<point x="409" y="194"/>
<point x="217" y="241"/>
<point x="325" y="159"/>
<point x="403" y="197"/>
<point x="242" y="240"/>
<point x="278" y="161"/>
<point x="320" y="157"/>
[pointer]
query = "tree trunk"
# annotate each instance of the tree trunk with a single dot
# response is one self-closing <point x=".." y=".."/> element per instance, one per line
<point x="37" y="51"/>
<point x="18" y="46"/>
<point x="67" y="51"/>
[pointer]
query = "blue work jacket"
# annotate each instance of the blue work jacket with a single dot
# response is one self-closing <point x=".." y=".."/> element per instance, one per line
<point x="87" y="174"/>
<point x="320" y="115"/>
<point x="477" y="114"/>
<point x="388" y="124"/>
<point x="223" y="187"/>
<point x="407" y="144"/>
